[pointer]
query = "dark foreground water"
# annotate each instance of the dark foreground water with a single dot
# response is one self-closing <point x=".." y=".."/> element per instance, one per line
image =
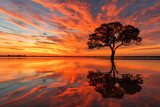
<point x="63" y="82"/>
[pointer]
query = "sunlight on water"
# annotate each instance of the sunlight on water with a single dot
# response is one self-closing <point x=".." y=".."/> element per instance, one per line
<point x="63" y="82"/>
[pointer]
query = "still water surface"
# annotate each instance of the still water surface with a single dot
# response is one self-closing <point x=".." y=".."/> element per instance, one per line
<point x="63" y="82"/>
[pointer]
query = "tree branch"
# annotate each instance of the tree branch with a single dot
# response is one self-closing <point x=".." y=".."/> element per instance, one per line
<point x="110" y="47"/>
<point x="118" y="45"/>
<point x="113" y="43"/>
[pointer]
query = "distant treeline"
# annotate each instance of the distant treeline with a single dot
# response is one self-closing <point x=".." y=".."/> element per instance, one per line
<point x="102" y="57"/>
<point x="138" y="57"/>
<point x="12" y="55"/>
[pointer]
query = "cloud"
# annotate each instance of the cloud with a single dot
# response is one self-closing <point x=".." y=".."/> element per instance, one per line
<point x="67" y="24"/>
<point x="45" y="42"/>
<point x="18" y="23"/>
<point x="148" y="48"/>
<point x="55" y="39"/>
<point x="8" y="28"/>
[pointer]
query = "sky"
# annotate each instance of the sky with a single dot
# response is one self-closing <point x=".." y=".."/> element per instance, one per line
<point x="61" y="27"/>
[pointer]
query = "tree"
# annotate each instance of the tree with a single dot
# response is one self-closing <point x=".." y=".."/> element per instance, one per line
<point x="111" y="86"/>
<point x="114" y="35"/>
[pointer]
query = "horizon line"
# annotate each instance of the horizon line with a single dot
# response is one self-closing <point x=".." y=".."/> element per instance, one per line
<point x="77" y="56"/>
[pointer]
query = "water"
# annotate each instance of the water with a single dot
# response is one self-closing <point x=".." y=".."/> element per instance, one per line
<point x="59" y="82"/>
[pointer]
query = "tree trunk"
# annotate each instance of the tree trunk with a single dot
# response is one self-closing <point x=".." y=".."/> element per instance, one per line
<point x="113" y="66"/>
<point x="112" y="55"/>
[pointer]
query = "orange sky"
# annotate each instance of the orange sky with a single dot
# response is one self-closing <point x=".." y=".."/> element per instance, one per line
<point x="47" y="27"/>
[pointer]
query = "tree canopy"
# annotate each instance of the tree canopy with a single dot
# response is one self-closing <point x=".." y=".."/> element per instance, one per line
<point x="110" y="86"/>
<point x="114" y="35"/>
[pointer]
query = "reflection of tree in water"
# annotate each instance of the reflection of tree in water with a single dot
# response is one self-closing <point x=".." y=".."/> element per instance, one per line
<point x="110" y="86"/>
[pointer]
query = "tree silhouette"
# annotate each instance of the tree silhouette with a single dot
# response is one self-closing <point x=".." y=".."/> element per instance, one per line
<point x="114" y="35"/>
<point x="110" y="86"/>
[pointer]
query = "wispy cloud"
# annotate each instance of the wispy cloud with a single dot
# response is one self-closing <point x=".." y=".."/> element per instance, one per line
<point x="62" y="27"/>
